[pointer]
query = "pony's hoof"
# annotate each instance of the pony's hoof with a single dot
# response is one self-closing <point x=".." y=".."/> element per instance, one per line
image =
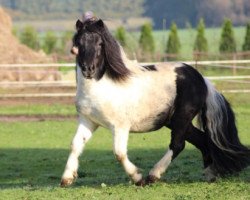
<point x="210" y="175"/>
<point x="151" y="179"/>
<point x="141" y="183"/>
<point x="66" y="182"/>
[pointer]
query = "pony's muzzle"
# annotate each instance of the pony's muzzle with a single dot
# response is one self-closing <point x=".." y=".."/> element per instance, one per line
<point x="87" y="72"/>
<point x="74" y="50"/>
<point x="87" y="75"/>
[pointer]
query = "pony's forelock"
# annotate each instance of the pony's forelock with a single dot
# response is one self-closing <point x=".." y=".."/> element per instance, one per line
<point x="115" y="67"/>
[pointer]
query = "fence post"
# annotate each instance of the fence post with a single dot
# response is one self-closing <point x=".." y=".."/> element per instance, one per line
<point x="234" y="64"/>
<point x="20" y="76"/>
<point x="196" y="58"/>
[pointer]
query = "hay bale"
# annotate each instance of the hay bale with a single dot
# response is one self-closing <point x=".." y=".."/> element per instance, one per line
<point x="11" y="51"/>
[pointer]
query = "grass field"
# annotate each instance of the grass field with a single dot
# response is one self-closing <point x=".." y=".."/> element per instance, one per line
<point x="187" y="38"/>
<point x="38" y="109"/>
<point x="33" y="156"/>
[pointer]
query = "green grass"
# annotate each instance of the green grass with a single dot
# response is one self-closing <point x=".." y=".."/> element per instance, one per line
<point x="33" y="156"/>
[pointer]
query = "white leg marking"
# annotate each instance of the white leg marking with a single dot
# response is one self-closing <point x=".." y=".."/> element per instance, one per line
<point x="82" y="136"/>
<point x="162" y="165"/>
<point x="120" y="151"/>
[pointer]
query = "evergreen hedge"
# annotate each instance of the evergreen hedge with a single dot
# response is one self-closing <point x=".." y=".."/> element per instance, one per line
<point x="227" y="41"/>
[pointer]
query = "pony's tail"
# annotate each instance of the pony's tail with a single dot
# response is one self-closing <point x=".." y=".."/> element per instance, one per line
<point x="218" y="121"/>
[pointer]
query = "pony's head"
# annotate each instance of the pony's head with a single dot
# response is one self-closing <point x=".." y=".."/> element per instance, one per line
<point x="97" y="52"/>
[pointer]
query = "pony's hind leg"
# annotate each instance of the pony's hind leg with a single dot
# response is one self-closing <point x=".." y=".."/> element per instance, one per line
<point x="200" y="140"/>
<point x="195" y="137"/>
<point x="179" y="125"/>
<point x="120" y="150"/>
<point x="82" y="136"/>
<point x="190" y="98"/>
<point x="160" y="167"/>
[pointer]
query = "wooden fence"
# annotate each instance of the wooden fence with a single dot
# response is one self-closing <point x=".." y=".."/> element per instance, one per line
<point x="58" y="87"/>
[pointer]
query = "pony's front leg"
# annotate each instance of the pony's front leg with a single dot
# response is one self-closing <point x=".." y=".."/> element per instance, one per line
<point x="120" y="151"/>
<point x="82" y="136"/>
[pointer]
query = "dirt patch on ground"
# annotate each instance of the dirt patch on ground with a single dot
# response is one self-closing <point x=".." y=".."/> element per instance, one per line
<point x="36" y="118"/>
<point x="36" y="100"/>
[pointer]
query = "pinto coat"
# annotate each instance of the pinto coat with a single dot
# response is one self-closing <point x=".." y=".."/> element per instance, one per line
<point x="123" y="96"/>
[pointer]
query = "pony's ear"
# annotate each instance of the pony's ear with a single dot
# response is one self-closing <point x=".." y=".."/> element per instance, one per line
<point x="79" y="25"/>
<point x="99" y="24"/>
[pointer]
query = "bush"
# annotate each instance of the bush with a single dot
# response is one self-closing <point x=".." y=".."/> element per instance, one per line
<point x="173" y="43"/>
<point x="120" y="35"/>
<point x="29" y="37"/>
<point x="200" y="40"/>
<point x="146" y="40"/>
<point x="66" y="42"/>
<point x="227" y="41"/>
<point x="50" y="41"/>
<point x="246" y="45"/>
<point x="14" y="31"/>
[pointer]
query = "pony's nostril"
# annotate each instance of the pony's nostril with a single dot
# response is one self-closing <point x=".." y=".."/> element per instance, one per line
<point x="83" y="68"/>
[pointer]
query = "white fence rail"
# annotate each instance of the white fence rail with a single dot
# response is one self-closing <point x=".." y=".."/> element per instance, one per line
<point x="19" y="84"/>
<point x="42" y="68"/>
<point x="44" y="65"/>
<point x="32" y="95"/>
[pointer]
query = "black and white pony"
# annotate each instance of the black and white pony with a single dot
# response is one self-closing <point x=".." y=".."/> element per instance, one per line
<point x="123" y="96"/>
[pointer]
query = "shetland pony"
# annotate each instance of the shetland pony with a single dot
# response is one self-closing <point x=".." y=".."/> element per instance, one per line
<point x="123" y="96"/>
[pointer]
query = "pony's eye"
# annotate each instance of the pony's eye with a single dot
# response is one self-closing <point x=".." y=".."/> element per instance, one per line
<point x="80" y="42"/>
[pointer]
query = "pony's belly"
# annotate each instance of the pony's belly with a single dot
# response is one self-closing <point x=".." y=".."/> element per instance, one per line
<point x="138" y="113"/>
<point x="142" y="128"/>
<point x="136" y="123"/>
<point x="151" y="123"/>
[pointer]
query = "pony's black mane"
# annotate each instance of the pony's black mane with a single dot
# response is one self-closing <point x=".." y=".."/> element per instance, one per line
<point x="149" y="67"/>
<point x="115" y="67"/>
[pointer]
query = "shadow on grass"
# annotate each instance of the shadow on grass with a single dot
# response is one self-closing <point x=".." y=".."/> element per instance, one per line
<point x="34" y="168"/>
